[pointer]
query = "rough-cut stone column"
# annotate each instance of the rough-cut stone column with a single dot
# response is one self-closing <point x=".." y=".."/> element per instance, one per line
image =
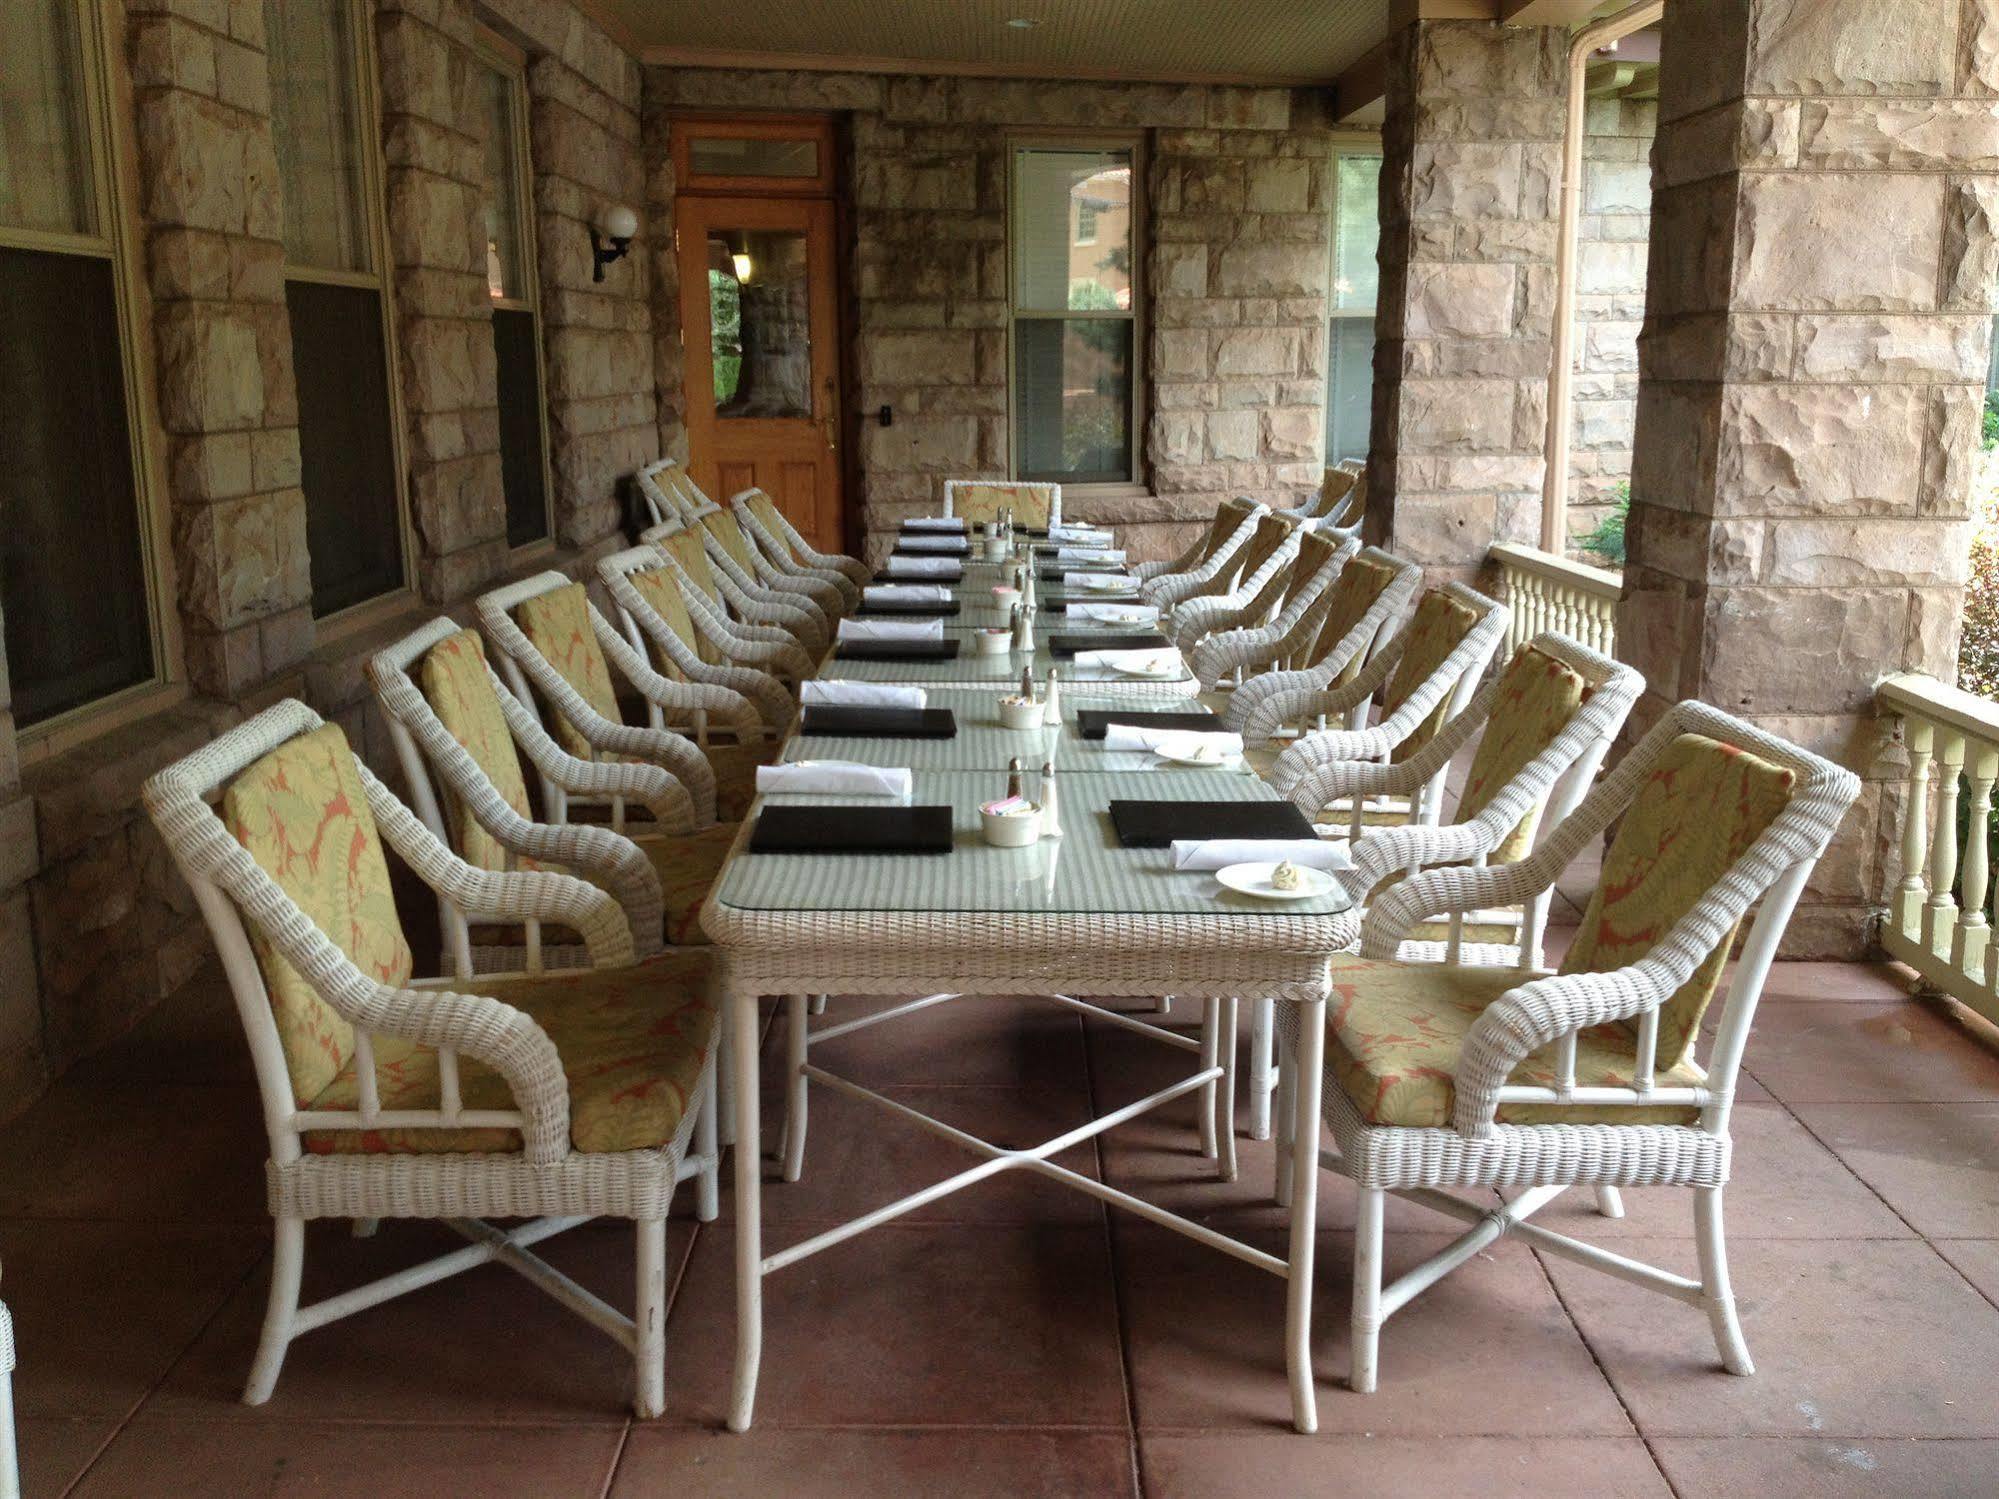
<point x="23" y="1054"/>
<point x="1817" y="326"/>
<point x="432" y="129"/>
<point x="1471" y="156"/>
<point x="208" y="192"/>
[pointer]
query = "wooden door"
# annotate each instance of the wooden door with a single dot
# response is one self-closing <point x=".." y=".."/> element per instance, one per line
<point x="759" y="315"/>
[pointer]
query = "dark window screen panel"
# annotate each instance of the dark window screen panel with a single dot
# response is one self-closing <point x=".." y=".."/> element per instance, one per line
<point x="522" y="473"/>
<point x="1349" y="387"/>
<point x="72" y="566"/>
<point x="1072" y="399"/>
<point x="345" y="450"/>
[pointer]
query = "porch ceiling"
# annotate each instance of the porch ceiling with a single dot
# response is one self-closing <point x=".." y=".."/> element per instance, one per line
<point x="1273" y="42"/>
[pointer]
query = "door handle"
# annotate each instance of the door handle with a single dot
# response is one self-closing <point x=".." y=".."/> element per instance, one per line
<point x="832" y="426"/>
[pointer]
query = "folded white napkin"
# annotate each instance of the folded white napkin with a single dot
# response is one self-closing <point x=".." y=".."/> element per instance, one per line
<point x="934" y="523"/>
<point x="1145" y="658"/>
<point x="1088" y="536"/>
<point x="1219" y="853"/>
<point x="1115" y="614"/>
<point x="891" y="629"/>
<point x="906" y="593"/>
<point x="1131" y="736"/>
<point x="922" y="567"/>
<point x="833" y="778"/>
<point x="1089" y="554"/>
<point x="1089" y="580"/>
<point x="935" y="544"/>
<point x="838" y="694"/>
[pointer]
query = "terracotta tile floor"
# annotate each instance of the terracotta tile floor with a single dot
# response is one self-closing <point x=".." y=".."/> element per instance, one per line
<point x="1016" y="1340"/>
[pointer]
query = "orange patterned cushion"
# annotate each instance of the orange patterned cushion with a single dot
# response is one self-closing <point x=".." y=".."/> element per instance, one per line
<point x="557" y="624"/>
<point x="460" y="693"/>
<point x="765" y="510"/>
<point x="659" y="587"/>
<point x="1314" y="553"/>
<point x="687" y="865"/>
<point x="1440" y="624"/>
<point x="1395" y="1032"/>
<point x="692" y="555"/>
<point x="1698" y="811"/>
<point x="1030" y="503"/>
<point x="736" y="776"/>
<point x="1359" y="584"/>
<point x="726" y="529"/>
<point x="632" y="1040"/>
<point x="1538" y="696"/>
<point x="303" y="814"/>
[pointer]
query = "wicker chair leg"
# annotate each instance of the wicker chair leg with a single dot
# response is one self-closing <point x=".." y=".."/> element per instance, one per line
<point x="1262" y="1070"/>
<point x="10" y="1466"/>
<point x="795" y="1042"/>
<point x="1719" y="1295"/>
<point x="1610" y="1202"/>
<point x="649" y="1321"/>
<point x="819" y="1004"/>
<point x="1367" y="1291"/>
<point x="1225" y="1090"/>
<point x="364" y="1228"/>
<point x="725" y="1085"/>
<point x="280" y="1312"/>
<point x="707" y="1136"/>
<point x="1280" y="1186"/>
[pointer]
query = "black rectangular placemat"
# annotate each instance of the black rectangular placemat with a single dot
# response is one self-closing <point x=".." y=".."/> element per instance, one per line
<point x="1156" y="824"/>
<point x="1091" y="722"/>
<point x="1054" y="574"/>
<point x="897" y="650"/>
<point x="911" y="610"/>
<point x="909" y="528"/>
<point x="956" y="575"/>
<point x="852" y="830"/>
<point x="961" y="550"/>
<point x="850" y="722"/>
<point x="1062" y="647"/>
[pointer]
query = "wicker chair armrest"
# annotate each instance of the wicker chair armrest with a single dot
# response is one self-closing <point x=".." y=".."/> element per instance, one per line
<point x="648" y="786"/>
<point x="1327" y="747"/>
<point x="1319" y="786"/>
<point x="1383" y="852"/>
<point x="1453" y="891"/>
<point x="613" y="862"/>
<point x="736" y="711"/>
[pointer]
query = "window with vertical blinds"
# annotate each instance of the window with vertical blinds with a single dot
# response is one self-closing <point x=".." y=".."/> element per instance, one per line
<point x="1072" y="227"/>
<point x="74" y="578"/>
<point x="1356" y="238"/>
<point x="340" y="352"/>
<point x="511" y="283"/>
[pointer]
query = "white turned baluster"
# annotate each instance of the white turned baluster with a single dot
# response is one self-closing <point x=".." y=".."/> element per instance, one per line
<point x="1910" y="898"/>
<point x="1940" y="915"/>
<point x="1973" y="931"/>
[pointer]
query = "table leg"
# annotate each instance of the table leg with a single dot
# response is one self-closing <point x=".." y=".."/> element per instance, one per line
<point x="749" y="1209"/>
<point x="1306" y="1081"/>
<point x="1225" y="1092"/>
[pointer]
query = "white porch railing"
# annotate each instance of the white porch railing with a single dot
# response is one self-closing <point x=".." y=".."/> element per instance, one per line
<point x="1937" y="921"/>
<point x="1546" y="592"/>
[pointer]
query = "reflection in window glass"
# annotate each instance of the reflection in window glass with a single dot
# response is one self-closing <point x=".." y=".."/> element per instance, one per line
<point x="1072" y="399"/>
<point x="315" y="121"/>
<point x="1357" y="232"/>
<point x="1350" y="324"/>
<point x="760" y="322"/>
<point x="506" y="278"/>
<point x="736" y="156"/>
<point x="44" y="149"/>
<point x="1072" y="231"/>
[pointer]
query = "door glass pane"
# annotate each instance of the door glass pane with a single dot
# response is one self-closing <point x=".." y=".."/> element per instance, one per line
<point x="343" y="439"/>
<point x="44" y="148"/>
<point x="1072" y="399"/>
<point x="1357" y="232"/>
<point x="315" y="119"/>
<point x="734" y="156"/>
<point x="522" y="474"/>
<point x="1072" y="231"/>
<point x="760" y="322"/>
<point x="506" y="275"/>
<point x="72" y="567"/>
<point x="1349" y="387"/>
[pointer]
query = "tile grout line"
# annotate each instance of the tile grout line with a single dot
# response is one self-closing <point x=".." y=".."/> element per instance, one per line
<point x="1111" y="1251"/>
<point x="617" y="1460"/>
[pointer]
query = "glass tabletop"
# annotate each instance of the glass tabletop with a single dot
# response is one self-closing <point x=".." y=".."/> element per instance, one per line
<point x="1085" y="871"/>
<point x="969" y="669"/>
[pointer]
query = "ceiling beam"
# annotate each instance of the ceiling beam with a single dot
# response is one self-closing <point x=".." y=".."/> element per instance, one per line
<point x="1546" y="12"/>
<point x="1361" y="84"/>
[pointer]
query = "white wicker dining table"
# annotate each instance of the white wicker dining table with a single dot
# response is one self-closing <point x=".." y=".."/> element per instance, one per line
<point x="1078" y="915"/>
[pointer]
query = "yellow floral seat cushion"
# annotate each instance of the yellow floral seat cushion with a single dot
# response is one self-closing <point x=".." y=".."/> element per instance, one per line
<point x="660" y="588"/>
<point x="455" y="683"/>
<point x="1438" y="627"/>
<point x="736" y="776"/>
<point x="632" y="1040"/>
<point x="1395" y="1032"/>
<point x="1537" y="699"/>
<point x="1360" y="583"/>
<point x="1701" y="806"/>
<point x="727" y="530"/>
<point x="302" y="813"/>
<point x="1031" y="504"/>
<point x="558" y="625"/>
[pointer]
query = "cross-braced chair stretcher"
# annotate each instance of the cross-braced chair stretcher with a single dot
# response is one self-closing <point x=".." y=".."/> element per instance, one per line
<point x="552" y="642"/>
<point x="556" y="1097"/>
<point x="661" y="612"/>
<point x="1330" y="643"/>
<point x="1235" y="637"/>
<point x="784" y="636"/>
<point x="1438" y="1076"/>
<point x="1032" y="502"/>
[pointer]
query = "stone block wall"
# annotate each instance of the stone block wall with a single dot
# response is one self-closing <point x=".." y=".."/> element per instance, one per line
<point x="1611" y="237"/>
<point x="1471" y="161"/>
<point x="1233" y="279"/>
<point x="1825" y="246"/>
<point x="433" y="147"/>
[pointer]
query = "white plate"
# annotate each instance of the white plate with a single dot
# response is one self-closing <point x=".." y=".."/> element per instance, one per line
<point x="1108" y="584"/>
<point x="1161" y="668"/>
<point x="1190" y="751"/>
<point x="1113" y="615"/>
<point x="1254" y="879"/>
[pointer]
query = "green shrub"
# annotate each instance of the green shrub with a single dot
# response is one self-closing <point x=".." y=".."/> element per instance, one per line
<point x="1607" y="540"/>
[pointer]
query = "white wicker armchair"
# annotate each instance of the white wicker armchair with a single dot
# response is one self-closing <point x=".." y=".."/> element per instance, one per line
<point x="567" y="651"/>
<point x="1032" y="502"/>
<point x="773" y="555"/>
<point x="1587" y="1077"/>
<point x="753" y="577"/>
<point x="662" y="611"/>
<point x="1251" y="596"/>
<point x="738" y="621"/>
<point x="1227" y="517"/>
<point x="735" y="554"/>
<point x="773" y="529"/>
<point x="1255" y="632"/>
<point x="1330" y="644"/>
<point x="553" y="1097"/>
<point x="1235" y="525"/>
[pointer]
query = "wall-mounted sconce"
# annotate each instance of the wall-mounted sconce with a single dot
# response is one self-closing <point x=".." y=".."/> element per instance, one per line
<point x="739" y="256"/>
<point x="611" y="237"/>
